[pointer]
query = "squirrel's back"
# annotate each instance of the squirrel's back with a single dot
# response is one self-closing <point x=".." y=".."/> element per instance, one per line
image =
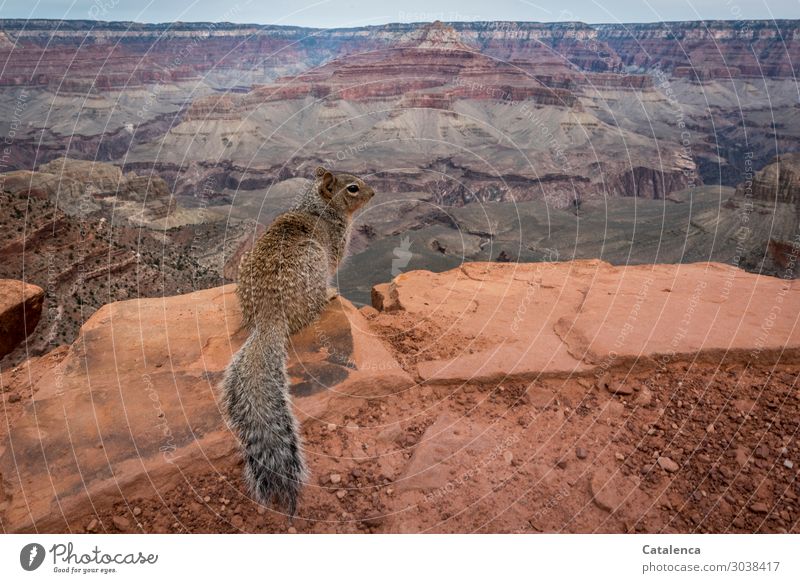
<point x="283" y="288"/>
<point x="281" y="275"/>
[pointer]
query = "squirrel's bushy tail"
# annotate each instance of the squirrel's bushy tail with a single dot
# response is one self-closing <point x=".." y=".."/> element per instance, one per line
<point x="256" y="391"/>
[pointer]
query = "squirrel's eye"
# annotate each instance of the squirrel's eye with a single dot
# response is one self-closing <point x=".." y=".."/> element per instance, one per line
<point x="352" y="188"/>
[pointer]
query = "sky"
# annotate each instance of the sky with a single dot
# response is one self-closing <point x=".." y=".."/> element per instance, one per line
<point x="345" y="13"/>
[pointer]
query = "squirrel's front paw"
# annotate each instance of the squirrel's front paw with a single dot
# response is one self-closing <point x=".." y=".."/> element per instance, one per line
<point x="331" y="293"/>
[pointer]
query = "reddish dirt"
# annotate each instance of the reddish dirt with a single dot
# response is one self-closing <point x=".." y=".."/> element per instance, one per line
<point x="575" y="458"/>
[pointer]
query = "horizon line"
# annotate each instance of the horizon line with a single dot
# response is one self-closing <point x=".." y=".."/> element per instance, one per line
<point x="407" y="23"/>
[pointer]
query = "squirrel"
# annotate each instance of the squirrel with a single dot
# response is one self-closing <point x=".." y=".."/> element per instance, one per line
<point x="283" y="287"/>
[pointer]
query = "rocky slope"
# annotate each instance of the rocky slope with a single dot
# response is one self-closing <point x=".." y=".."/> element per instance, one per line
<point x="88" y="234"/>
<point x="556" y="397"/>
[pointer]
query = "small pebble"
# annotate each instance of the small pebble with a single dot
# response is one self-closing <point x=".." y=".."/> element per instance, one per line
<point x="581" y="453"/>
<point x="668" y="464"/>
<point x="121" y="522"/>
<point x="341" y="494"/>
<point x="788" y="463"/>
<point x="619" y="388"/>
<point x="335" y="478"/>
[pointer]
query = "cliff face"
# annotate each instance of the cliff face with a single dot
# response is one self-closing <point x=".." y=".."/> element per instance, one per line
<point x="704" y="50"/>
<point x="776" y="188"/>
<point x="609" y="390"/>
<point x="84" y="56"/>
<point x="777" y="182"/>
<point x="124" y="54"/>
<point x="89" y="56"/>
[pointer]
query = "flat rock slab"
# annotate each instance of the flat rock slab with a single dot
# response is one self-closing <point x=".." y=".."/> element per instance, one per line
<point x="20" y="311"/>
<point x="134" y="406"/>
<point x="678" y="313"/>
<point x="581" y="317"/>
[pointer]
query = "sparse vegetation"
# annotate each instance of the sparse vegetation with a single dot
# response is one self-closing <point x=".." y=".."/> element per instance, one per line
<point x="83" y="265"/>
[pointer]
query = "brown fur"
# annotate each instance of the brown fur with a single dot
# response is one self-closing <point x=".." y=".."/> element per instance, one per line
<point x="283" y="287"/>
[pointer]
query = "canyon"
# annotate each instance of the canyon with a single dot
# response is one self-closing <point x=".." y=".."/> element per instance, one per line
<point x="570" y="307"/>
<point x="143" y="159"/>
<point x="520" y="110"/>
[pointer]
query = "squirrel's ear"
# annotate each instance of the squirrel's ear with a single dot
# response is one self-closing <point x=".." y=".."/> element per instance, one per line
<point x="325" y="182"/>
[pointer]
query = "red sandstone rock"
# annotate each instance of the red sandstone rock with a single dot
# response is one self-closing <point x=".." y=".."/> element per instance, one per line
<point x="134" y="405"/>
<point x="20" y="310"/>
<point x="585" y="317"/>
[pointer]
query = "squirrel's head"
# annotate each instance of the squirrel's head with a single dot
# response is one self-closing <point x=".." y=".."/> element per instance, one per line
<point x="344" y="192"/>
